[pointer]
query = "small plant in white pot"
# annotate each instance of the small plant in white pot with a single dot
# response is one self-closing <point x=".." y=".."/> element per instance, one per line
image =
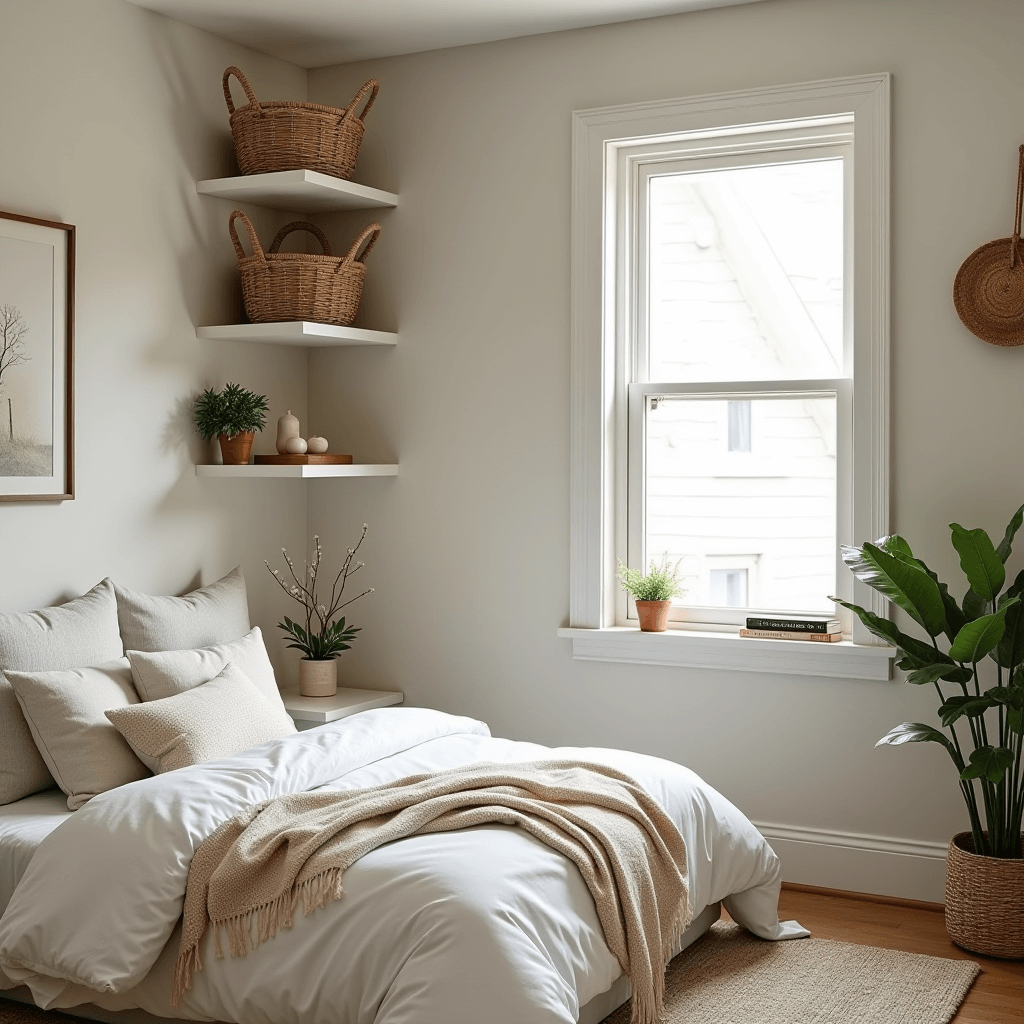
<point x="652" y="593"/>
<point x="323" y="637"/>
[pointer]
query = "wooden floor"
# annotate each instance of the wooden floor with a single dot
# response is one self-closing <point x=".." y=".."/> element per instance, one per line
<point x="997" y="996"/>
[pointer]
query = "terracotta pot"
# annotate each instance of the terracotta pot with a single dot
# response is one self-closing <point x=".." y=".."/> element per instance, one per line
<point x="235" y="450"/>
<point x="318" y="678"/>
<point x="984" y="901"/>
<point x="653" y="615"/>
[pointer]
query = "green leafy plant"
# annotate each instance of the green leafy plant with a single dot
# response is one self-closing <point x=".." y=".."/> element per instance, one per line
<point x="660" y="584"/>
<point x="235" y="410"/>
<point x="321" y="638"/>
<point x="982" y="728"/>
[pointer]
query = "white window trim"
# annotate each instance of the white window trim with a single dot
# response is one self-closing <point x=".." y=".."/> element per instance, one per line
<point x="597" y="437"/>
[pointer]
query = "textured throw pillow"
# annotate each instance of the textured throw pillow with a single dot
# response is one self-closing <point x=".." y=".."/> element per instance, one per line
<point x="81" y="632"/>
<point x="65" y="711"/>
<point x="207" y="616"/>
<point x="160" y="674"/>
<point x="217" y="719"/>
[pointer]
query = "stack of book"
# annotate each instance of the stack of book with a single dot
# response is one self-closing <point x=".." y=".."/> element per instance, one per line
<point x="824" y="631"/>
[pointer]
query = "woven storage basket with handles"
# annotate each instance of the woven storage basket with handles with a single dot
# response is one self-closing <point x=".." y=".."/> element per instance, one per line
<point x="984" y="901"/>
<point x="287" y="136"/>
<point x="300" y="286"/>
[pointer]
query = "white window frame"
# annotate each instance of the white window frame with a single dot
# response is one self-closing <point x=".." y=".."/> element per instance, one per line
<point x="600" y="405"/>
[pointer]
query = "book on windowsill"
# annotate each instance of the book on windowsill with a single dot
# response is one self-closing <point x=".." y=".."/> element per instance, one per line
<point x="790" y="624"/>
<point x="787" y="634"/>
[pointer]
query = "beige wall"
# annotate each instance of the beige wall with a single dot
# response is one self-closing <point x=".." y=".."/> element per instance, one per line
<point x="469" y="545"/>
<point x="108" y="114"/>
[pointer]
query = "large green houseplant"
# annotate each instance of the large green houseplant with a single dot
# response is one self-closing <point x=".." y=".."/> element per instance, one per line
<point x="970" y="646"/>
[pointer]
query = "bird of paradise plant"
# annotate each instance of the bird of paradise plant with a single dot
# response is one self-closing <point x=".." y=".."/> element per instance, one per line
<point x="982" y="729"/>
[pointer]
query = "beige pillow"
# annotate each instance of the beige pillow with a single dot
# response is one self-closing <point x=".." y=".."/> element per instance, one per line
<point x="81" y="632"/>
<point x="210" y="615"/>
<point x="65" y="711"/>
<point x="216" y="719"/>
<point x="160" y="674"/>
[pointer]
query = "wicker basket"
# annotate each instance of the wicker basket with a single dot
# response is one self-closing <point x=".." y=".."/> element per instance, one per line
<point x="287" y="136"/>
<point x="280" y="286"/>
<point x="984" y="901"/>
<point x="988" y="292"/>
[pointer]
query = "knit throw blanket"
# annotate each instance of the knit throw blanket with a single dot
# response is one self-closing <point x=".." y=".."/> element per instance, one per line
<point x="249" y="876"/>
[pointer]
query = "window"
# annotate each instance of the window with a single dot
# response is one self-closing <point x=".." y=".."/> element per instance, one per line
<point x="730" y="349"/>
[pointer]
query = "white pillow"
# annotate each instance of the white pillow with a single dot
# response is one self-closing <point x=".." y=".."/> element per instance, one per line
<point x="65" y="711"/>
<point x="216" y="719"/>
<point x="160" y="674"/>
<point x="210" y="615"/>
<point x="81" y="632"/>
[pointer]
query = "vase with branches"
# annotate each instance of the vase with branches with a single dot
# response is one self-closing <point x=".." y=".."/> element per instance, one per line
<point x="324" y="635"/>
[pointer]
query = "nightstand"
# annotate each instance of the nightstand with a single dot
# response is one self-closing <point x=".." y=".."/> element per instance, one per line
<point x="309" y="712"/>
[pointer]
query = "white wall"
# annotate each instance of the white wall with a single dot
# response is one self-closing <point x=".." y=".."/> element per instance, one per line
<point x="469" y="545"/>
<point x="108" y="114"/>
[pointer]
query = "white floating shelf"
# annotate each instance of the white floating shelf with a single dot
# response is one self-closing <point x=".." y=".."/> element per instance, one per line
<point x="299" y="191"/>
<point x="298" y="472"/>
<point x="347" y="701"/>
<point x="302" y="333"/>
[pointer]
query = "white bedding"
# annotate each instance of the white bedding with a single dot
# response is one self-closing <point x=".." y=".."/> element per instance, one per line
<point x="437" y="928"/>
<point x="24" y="824"/>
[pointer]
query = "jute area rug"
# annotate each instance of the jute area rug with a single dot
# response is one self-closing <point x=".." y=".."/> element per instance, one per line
<point x="731" y="977"/>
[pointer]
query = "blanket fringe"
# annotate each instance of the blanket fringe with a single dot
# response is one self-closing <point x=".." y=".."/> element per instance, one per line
<point x="269" y="918"/>
<point x="647" y="1008"/>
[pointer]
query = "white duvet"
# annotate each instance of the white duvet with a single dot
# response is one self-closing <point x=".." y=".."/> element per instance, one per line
<point x="457" y="927"/>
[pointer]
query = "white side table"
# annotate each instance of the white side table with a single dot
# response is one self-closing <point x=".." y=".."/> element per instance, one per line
<point x="309" y="712"/>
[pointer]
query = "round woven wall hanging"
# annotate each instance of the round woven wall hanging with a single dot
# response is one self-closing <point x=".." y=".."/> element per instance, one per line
<point x="989" y="288"/>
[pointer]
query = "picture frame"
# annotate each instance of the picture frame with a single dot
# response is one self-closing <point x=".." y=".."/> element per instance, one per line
<point x="37" y="321"/>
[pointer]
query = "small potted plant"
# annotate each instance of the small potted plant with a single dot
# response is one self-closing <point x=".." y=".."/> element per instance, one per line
<point x="322" y="639"/>
<point x="652" y="593"/>
<point x="233" y="416"/>
<point x="982" y="726"/>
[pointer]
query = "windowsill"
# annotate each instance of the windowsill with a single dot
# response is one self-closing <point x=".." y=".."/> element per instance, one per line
<point x="691" y="649"/>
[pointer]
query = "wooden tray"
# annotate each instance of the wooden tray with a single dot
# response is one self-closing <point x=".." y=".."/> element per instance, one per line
<point x="327" y="459"/>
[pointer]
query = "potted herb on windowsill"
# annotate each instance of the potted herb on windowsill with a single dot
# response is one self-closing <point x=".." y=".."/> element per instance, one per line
<point x="982" y="725"/>
<point x="322" y="638"/>
<point x="652" y="593"/>
<point x="233" y="416"/>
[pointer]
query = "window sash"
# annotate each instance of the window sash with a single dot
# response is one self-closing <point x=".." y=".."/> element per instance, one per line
<point x="810" y="145"/>
<point x="639" y="395"/>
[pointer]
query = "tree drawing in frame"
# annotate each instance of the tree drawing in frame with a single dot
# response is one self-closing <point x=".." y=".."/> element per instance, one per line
<point x="36" y="392"/>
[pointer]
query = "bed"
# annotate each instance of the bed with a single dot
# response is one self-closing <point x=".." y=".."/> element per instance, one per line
<point x="432" y="928"/>
<point x="447" y="927"/>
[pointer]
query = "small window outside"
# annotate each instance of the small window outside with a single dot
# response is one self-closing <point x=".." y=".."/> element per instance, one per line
<point x="739" y="426"/>
<point x="729" y="588"/>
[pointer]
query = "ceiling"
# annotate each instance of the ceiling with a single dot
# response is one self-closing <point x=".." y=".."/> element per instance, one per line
<point x="315" y="33"/>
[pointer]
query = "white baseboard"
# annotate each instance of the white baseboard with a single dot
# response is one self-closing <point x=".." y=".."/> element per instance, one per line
<point x="904" y="868"/>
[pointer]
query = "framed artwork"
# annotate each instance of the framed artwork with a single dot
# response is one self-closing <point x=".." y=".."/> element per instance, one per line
<point x="37" y="318"/>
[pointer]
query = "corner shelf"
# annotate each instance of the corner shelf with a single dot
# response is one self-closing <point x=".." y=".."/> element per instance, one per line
<point x="302" y="333"/>
<point x="298" y="191"/>
<point x="298" y="472"/>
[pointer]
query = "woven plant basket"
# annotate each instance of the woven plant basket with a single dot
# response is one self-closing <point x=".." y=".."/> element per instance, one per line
<point x="984" y="901"/>
<point x="280" y="286"/>
<point x="989" y="288"/>
<point x="287" y="136"/>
